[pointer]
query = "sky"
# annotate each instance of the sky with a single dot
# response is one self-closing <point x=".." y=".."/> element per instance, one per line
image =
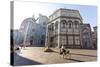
<point x="23" y="10"/>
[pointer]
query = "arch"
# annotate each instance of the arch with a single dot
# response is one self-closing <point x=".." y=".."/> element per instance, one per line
<point x="56" y="25"/>
<point x="76" y="23"/>
<point x="85" y="30"/>
<point x="85" y="33"/>
<point x="63" y="23"/>
<point x="70" y="23"/>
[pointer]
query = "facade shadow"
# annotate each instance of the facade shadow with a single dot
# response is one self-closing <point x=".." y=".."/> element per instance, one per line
<point x="20" y="61"/>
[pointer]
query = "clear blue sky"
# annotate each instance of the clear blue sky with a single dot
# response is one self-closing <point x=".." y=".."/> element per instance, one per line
<point x="27" y="9"/>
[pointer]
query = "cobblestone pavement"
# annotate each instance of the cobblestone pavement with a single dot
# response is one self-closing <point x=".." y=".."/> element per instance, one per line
<point x="38" y="56"/>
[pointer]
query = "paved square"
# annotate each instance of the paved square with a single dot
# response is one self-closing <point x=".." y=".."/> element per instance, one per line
<point x="38" y="55"/>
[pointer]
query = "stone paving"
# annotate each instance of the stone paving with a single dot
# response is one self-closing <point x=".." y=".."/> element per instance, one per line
<point x="38" y="56"/>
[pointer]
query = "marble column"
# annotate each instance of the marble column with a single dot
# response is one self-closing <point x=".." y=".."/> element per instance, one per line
<point x="59" y="43"/>
<point x="54" y="42"/>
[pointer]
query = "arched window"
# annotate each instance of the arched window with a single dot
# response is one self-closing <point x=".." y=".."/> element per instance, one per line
<point x="76" y="24"/>
<point x="52" y="26"/>
<point x="85" y="33"/>
<point x="70" y="23"/>
<point x="56" y="25"/>
<point x="63" y="23"/>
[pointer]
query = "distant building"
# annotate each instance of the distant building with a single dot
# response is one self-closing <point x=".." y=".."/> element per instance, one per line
<point x="94" y="37"/>
<point x="86" y="36"/>
<point x="95" y="29"/>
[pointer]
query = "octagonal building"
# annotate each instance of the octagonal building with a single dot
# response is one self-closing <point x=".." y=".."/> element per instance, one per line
<point x="64" y="29"/>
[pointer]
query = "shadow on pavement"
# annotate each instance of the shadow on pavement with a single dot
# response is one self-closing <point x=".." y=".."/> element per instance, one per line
<point x="83" y="55"/>
<point x="75" y="60"/>
<point x="19" y="61"/>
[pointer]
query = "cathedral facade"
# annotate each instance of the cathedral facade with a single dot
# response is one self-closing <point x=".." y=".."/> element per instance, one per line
<point x="34" y="30"/>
